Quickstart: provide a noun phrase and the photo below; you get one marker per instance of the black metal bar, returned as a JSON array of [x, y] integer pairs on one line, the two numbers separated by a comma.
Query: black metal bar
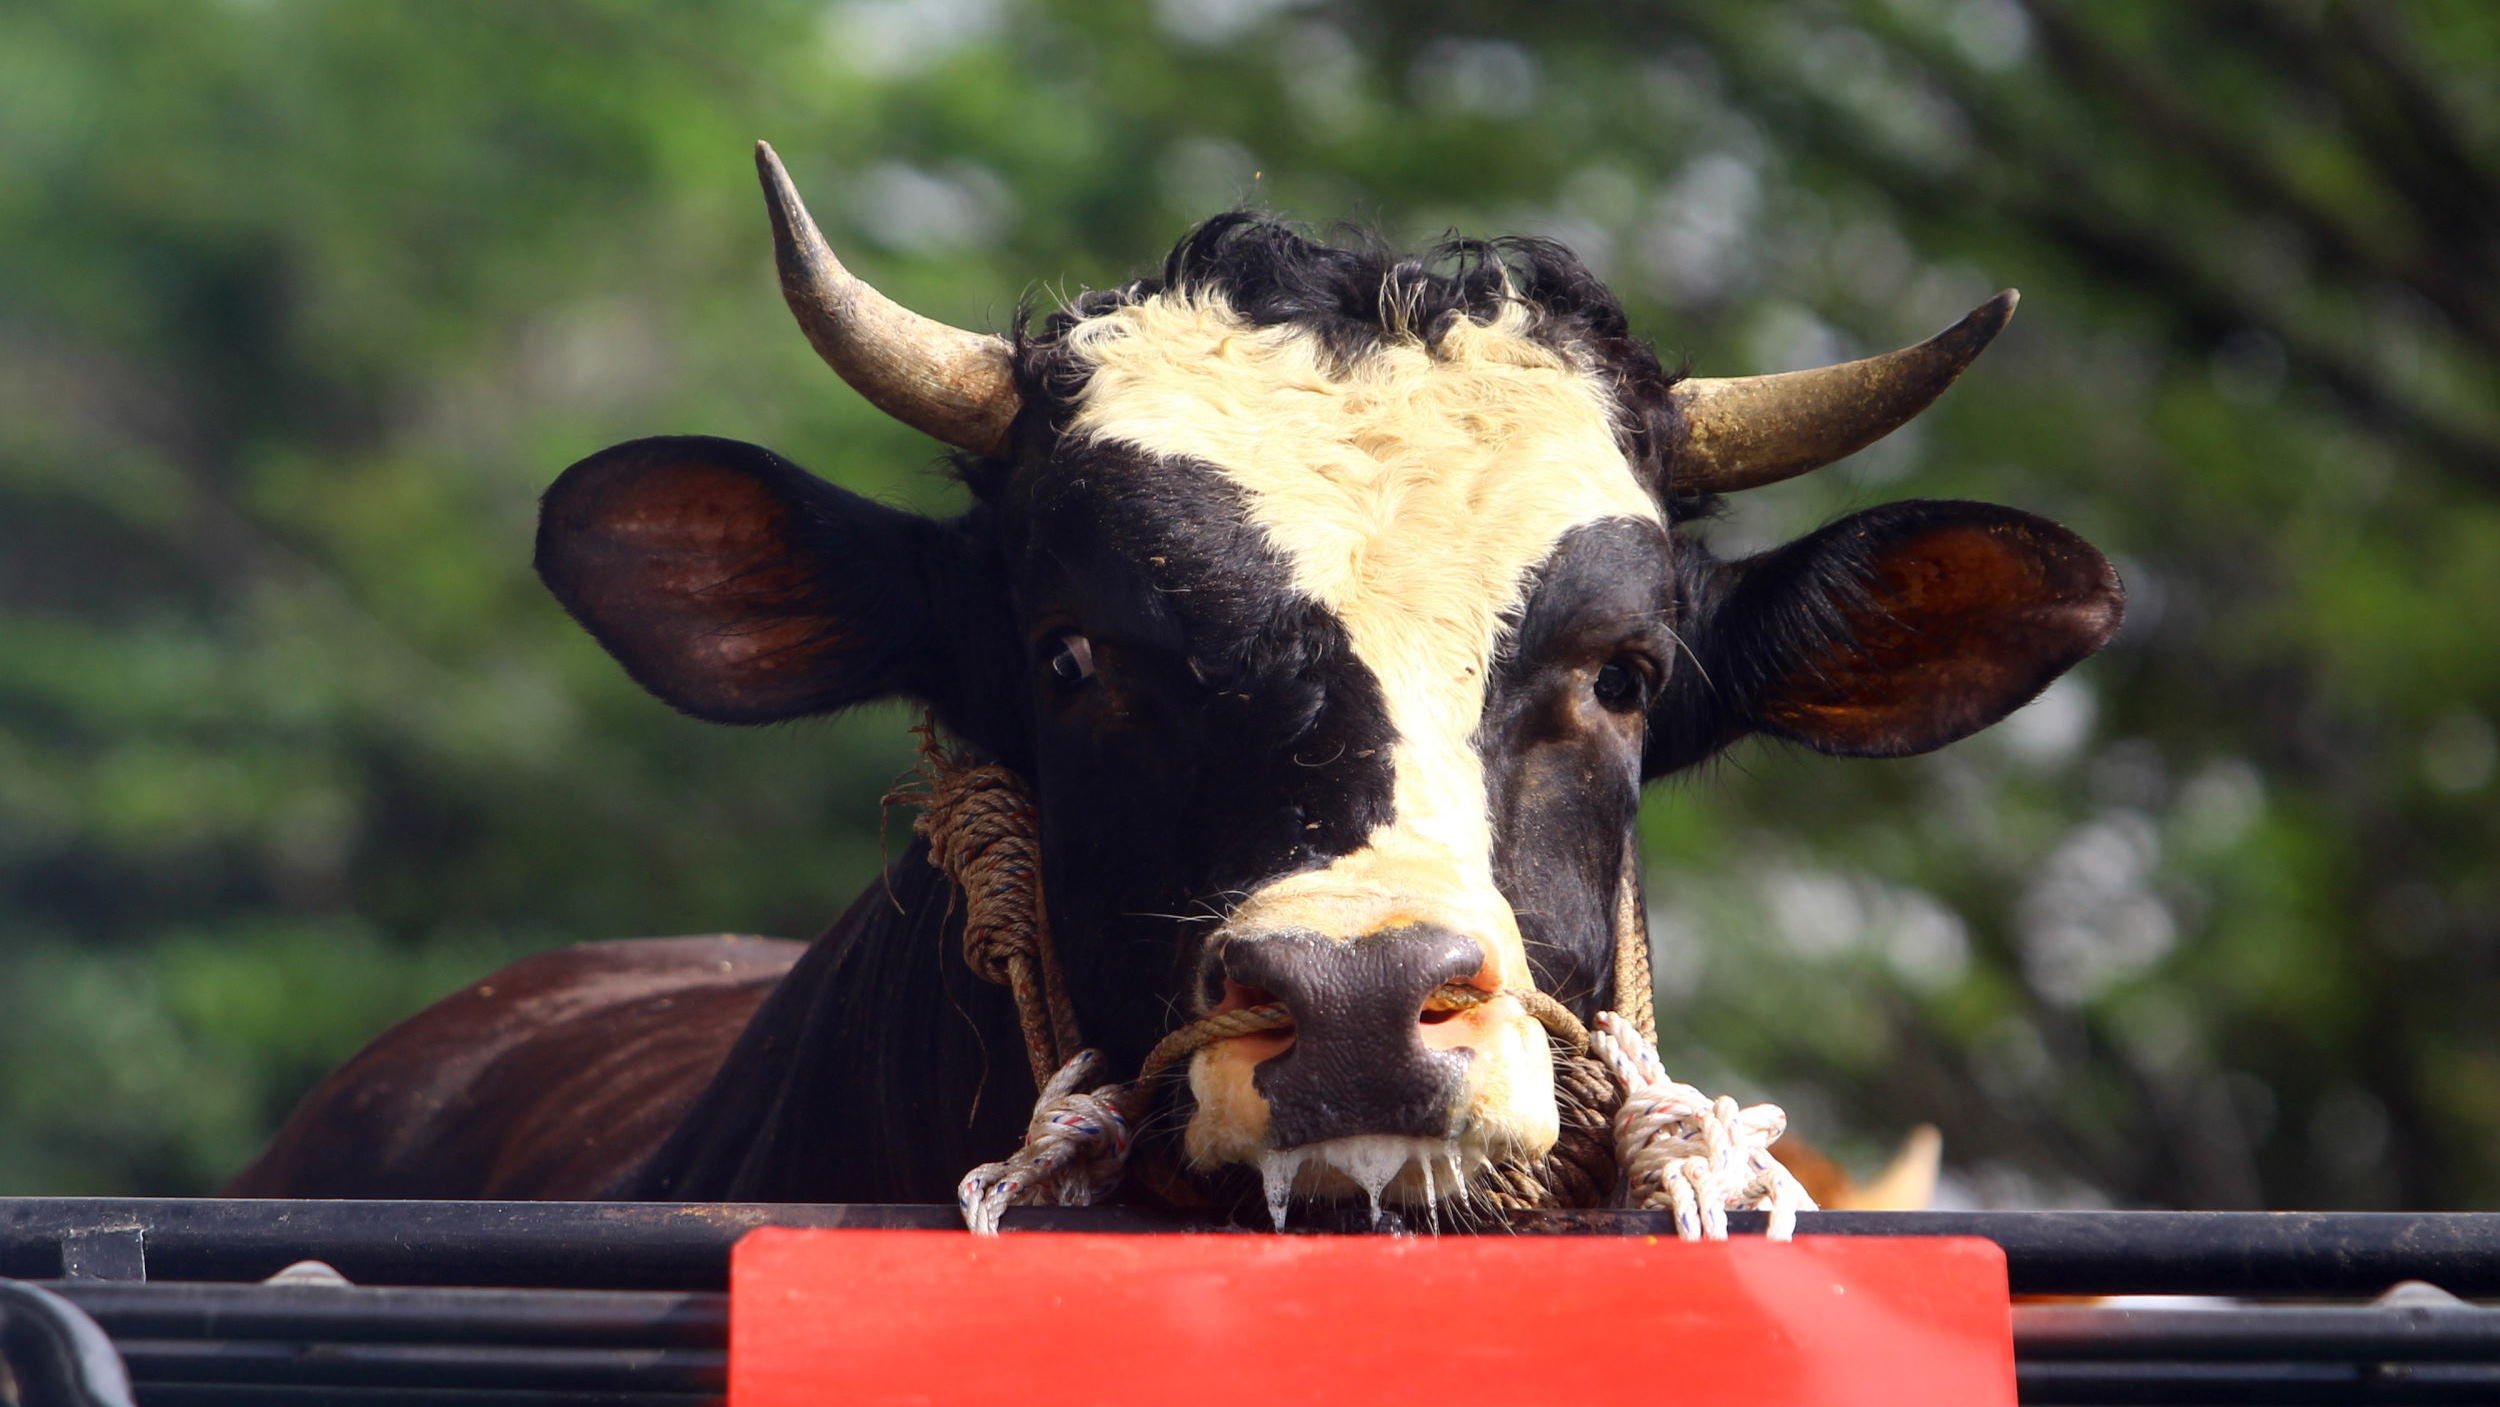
[[2247, 1384], [51, 1352], [2276, 1333], [2271, 1254], [359, 1314], [287, 1394], [608, 1245], [105, 1253], [685, 1246], [600, 1318], [428, 1365], [209, 1344]]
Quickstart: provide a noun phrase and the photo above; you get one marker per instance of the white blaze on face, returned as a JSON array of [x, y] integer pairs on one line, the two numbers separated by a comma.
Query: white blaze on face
[[1414, 493]]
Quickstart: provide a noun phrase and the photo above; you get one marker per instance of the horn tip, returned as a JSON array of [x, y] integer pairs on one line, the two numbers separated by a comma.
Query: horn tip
[[792, 225], [1993, 315], [1979, 327]]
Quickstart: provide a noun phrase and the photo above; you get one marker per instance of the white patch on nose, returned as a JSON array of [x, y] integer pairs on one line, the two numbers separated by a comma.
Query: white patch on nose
[[1414, 493]]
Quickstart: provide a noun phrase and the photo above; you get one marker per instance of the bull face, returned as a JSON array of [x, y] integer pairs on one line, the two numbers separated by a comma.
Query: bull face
[[1336, 610], [1304, 622]]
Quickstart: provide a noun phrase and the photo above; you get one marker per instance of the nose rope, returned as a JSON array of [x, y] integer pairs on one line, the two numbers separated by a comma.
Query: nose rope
[[1625, 1127], [1273, 1016]]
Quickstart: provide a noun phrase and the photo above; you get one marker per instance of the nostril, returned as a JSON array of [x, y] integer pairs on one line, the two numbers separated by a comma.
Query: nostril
[[1241, 996], [1451, 998]]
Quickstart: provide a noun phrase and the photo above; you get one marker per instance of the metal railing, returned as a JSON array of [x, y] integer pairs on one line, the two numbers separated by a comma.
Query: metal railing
[[621, 1303]]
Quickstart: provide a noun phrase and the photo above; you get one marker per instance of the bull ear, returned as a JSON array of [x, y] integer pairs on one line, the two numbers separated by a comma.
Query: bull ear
[[1889, 633], [740, 588]]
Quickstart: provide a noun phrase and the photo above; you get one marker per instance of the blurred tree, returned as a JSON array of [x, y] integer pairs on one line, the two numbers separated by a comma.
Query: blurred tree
[[302, 305]]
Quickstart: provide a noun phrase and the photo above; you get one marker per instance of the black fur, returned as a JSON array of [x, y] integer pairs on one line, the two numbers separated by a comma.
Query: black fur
[[1562, 771], [1232, 738], [879, 1070]]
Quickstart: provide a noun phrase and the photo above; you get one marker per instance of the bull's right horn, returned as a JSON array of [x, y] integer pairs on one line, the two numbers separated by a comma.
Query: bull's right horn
[[1742, 432], [956, 385]]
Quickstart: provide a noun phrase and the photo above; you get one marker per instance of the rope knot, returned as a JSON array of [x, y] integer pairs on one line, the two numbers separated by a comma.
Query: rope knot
[[1075, 1149], [1683, 1150]]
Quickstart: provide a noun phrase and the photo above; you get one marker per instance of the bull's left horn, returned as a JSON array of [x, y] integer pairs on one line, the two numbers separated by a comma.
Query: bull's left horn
[[1745, 431], [953, 384]]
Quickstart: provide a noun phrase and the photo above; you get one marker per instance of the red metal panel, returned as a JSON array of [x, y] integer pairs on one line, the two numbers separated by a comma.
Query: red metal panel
[[1039, 1320]]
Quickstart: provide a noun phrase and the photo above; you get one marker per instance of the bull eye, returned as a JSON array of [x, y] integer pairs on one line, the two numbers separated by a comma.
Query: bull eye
[[1071, 662], [1619, 685]]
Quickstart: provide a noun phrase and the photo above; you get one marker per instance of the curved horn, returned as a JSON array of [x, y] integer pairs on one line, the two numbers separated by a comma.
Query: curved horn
[[1745, 431], [953, 384]]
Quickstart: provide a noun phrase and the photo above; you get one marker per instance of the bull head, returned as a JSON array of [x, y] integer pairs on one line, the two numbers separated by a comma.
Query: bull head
[[1337, 611]]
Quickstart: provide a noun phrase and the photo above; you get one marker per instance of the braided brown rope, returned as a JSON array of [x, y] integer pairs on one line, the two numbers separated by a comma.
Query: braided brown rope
[[1580, 1171], [1636, 999], [981, 828], [982, 834], [1177, 1047]]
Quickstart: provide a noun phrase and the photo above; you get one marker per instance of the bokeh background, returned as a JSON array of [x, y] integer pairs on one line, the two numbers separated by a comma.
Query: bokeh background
[[301, 305]]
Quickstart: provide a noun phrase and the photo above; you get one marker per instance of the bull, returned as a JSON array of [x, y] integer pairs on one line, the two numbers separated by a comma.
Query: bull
[[1336, 608]]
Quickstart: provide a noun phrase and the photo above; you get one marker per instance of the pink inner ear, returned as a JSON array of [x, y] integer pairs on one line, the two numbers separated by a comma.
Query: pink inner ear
[[685, 569], [1964, 623]]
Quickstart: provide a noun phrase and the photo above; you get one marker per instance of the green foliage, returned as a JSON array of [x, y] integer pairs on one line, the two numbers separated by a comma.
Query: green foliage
[[302, 305]]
